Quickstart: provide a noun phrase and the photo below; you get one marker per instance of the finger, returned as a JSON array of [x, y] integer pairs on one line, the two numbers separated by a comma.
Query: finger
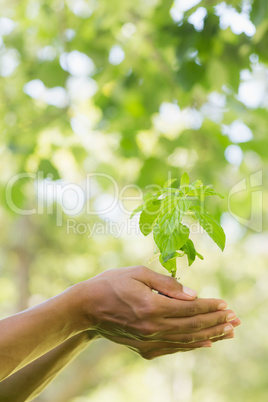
[[175, 349], [212, 333], [221, 338], [205, 334], [236, 322], [150, 345], [172, 308], [158, 353], [166, 285], [198, 322]]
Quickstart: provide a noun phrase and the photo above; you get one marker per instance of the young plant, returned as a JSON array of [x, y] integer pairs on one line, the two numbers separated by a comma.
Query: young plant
[[162, 213]]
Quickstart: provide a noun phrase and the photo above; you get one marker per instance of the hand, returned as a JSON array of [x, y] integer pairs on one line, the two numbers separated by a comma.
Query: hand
[[122, 306]]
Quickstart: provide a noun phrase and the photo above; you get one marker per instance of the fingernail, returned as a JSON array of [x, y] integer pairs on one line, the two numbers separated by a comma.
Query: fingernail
[[222, 306], [189, 292], [236, 322], [228, 328], [230, 317], [206, 346]]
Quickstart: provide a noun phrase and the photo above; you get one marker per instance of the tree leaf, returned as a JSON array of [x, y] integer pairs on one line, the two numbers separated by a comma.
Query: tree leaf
[[191, 252], [138, 209], [169, 182], [169, 243], [170, 264], [148, 216], [197, 183], [210, 191], [172, 211], [212, 227], [184, 183], [148, 198], [189, 249], [201, 192]]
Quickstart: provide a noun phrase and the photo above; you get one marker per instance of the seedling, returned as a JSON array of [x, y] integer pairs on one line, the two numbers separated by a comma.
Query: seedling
[[162, 213]]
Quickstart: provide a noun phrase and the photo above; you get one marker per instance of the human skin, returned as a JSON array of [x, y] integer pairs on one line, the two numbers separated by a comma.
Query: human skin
[[119, 305], [29, 382]]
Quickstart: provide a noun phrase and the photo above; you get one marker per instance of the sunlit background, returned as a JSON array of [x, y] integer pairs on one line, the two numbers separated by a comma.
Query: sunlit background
[[99, 100]]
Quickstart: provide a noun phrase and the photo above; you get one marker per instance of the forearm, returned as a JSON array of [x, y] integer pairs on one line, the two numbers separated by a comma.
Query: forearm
[[32, 333], [119, 305], [28, 382]]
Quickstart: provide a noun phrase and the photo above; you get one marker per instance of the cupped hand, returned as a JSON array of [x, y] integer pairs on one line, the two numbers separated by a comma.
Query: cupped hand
[[125, 306]]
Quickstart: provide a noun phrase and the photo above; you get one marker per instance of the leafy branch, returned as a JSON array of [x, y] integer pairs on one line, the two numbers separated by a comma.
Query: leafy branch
[[162, 213]]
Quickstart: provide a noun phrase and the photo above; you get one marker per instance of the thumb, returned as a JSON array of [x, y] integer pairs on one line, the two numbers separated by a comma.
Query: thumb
[[168, 286]]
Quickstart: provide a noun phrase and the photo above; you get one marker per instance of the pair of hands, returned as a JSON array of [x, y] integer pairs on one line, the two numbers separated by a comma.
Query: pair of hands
[[125, 306]]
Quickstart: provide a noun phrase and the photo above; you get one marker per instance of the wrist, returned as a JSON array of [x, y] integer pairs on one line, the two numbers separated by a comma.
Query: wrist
[[85, 337], [81, 307]]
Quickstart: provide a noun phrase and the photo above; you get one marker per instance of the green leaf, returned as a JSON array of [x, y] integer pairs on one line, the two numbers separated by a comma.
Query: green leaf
[[184, 184], [210, 191], [197, 183], [172, 211], [138, 209], [169, 243], [212, 227], [170, 264], [169, 182], [163, 216], [148, 216], [191, 252], [189, 249], [201, 192], [148, 198]]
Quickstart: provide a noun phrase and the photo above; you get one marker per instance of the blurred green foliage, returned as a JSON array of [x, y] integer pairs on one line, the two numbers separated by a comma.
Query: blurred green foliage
[[138, 90]]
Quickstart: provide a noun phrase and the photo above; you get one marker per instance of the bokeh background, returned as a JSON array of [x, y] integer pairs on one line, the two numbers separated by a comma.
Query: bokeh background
[[137, 90]]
